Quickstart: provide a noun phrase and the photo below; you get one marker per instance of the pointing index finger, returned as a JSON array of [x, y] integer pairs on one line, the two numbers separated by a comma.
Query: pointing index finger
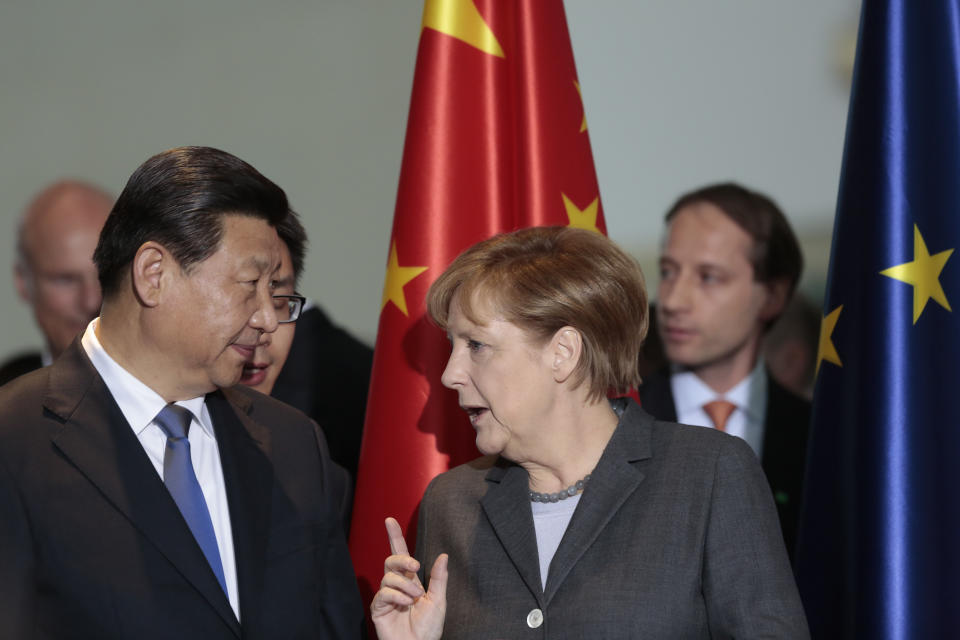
[[398, 546]]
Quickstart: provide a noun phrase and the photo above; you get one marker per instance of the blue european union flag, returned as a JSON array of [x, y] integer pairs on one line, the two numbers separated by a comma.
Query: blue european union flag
[[879, 548]]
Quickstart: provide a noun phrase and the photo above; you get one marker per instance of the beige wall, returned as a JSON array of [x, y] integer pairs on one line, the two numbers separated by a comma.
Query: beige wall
[[314, 94]]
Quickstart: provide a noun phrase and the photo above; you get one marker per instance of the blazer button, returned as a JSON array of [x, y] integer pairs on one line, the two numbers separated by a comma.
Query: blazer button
[[534, 618]]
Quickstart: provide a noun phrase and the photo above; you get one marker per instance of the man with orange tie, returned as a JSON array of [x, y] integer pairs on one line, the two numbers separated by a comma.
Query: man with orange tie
[[729, 264]]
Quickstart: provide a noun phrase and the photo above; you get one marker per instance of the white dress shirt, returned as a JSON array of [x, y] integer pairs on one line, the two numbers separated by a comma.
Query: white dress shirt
[[749, 396], [140, 405]]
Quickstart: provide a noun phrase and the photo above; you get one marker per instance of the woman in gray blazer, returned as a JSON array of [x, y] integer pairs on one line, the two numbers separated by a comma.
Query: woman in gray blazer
[[586, 518]]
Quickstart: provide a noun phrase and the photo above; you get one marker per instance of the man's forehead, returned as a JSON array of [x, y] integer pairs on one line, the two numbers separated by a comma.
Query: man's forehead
[[706, 235], [250, 242]]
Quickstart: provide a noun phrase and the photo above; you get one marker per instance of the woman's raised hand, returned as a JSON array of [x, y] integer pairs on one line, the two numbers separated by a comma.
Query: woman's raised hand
[[401, 609]]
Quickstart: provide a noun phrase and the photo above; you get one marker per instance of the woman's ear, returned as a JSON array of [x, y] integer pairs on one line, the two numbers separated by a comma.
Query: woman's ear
[[566, 347], [148, 267]]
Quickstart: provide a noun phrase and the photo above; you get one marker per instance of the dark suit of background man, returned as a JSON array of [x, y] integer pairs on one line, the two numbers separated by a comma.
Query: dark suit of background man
[[729, 264], [94, 540], [54, 271]]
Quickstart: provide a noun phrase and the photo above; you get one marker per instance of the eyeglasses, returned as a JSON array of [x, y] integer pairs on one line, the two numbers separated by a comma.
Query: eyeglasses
[[288, 307]]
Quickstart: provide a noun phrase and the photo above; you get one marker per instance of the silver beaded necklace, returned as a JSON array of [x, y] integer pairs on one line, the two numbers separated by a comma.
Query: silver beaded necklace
[[569, 492]]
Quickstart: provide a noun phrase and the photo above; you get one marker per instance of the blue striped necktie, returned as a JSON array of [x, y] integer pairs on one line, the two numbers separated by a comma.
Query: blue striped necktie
[[182, 484]]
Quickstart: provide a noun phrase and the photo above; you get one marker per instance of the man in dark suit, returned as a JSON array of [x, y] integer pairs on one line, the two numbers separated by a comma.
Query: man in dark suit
[[729, 264], [54, 272], [140, 495]]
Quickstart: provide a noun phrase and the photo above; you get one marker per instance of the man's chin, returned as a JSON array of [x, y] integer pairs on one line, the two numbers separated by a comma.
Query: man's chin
[[682, 357], [227, 377]]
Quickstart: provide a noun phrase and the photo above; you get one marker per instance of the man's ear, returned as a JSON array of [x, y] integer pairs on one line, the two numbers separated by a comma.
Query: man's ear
[[777, 293], [566, 347], [150, 263]]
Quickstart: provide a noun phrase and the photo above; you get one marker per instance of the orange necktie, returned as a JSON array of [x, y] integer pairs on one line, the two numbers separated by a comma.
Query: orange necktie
[[719, 411]]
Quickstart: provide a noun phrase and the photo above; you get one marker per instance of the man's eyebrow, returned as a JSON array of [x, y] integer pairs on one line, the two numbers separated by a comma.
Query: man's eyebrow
[[257, 263]]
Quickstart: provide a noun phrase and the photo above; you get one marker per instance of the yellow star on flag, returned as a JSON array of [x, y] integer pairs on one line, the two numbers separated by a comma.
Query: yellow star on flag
[[825, 349], [582, 218], [923, 273], [583, 123], [397, 277], [460, 19]]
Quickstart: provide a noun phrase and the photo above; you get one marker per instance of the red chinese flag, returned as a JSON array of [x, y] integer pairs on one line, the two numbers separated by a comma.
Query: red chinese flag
[[496, 141]]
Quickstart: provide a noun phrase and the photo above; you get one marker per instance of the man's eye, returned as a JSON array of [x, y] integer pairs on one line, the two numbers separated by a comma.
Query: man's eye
[[63, 280]]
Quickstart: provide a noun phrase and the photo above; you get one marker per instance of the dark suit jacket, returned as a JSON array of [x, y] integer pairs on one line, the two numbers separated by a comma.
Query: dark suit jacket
[[18, 365], [786, 430], [93, 546], [326, 376], [675, 536]]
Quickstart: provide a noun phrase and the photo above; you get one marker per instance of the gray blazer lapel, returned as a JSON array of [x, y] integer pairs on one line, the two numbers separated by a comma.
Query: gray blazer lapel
[[97, 439], [611, 483], [248, 475], [507, 506]]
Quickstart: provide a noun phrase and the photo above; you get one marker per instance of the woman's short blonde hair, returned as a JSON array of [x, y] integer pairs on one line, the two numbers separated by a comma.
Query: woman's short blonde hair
[[545, 278]]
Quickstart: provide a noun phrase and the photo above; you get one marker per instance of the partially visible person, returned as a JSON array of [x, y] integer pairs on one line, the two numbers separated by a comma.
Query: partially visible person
[[268, 359], [587, 518], [54, 271], [327, 376], [728, 265], [143, 493], [790, 347], [314, 365], [261, 370]]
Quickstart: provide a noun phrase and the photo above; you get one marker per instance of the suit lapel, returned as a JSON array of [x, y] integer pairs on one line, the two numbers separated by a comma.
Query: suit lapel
[[248, 474], [97, 439], [611, 484], [656, 397], [507, 506], [776, 436]]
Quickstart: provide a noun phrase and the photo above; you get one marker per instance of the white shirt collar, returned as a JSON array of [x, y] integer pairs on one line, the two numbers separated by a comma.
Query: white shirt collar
[[749, 395], [139, 403]]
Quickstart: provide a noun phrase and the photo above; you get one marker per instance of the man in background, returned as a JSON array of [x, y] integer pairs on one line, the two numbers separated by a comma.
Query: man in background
[[313, 364], [54, 272], [327, 376], [729, 264], [271, 355]]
